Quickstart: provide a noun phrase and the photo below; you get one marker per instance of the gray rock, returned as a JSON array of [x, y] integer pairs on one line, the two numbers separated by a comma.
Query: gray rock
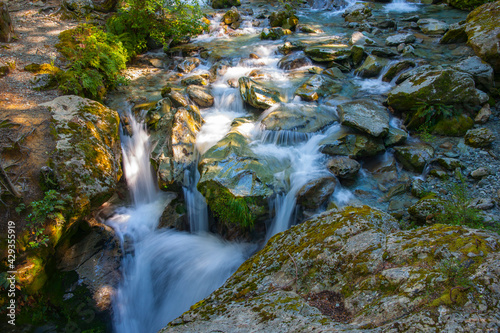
[[356, 145], [395, 40], [365, 115], [198, 80], [200, 96], [455, 34], [414, 157], [483, 115], [80, 7], [357, 13], [188, 65], [320, 86], [450, 163], [432, 26], [481, 71], [482, 203], [313, 194], [383, 52], [343, 167], [372, 67], [294, 60], [396, 69], [479, 137], [395, 136], [480, 173], [358, 38]]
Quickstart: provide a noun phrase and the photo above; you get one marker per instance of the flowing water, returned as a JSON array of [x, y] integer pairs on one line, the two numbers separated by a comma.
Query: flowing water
[[166, 271]]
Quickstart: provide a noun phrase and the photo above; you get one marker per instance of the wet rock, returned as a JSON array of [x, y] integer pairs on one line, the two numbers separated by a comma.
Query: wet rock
[[178, 99], [309, 29], [343, 167], [283, 19], [481, 71], [221, 4], [426, 209], [346, 143], [198, 80], [173, 138], [327, 54], [395, 40], [432, 26], [383, 52], [218, 69], [358, 38], [483, 115], [384, 283], [358, 54], [200, 96], [188, 65], [357, 13], [482, 203], [483, 31], [396, 69], [289, 47], [86, 161], [365, 115], [387, 24], [450, 163], [480, 173], [414, 157], [232, 175], [455, 34], [319, 86], [466, 5], [274, 33], [6, 27], [316, 192], [334, 73], [299, 118], [395, 136], [418, 188], [256, 94], [231, 16], [294, 60], [372, 67], [444, 87], [479, 137]]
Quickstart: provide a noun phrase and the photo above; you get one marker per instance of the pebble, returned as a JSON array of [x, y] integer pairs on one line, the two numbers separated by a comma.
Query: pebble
[[480, 173]]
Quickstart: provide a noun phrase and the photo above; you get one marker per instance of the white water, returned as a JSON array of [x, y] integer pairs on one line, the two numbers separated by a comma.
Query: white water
[[164, 271], [400, 6]]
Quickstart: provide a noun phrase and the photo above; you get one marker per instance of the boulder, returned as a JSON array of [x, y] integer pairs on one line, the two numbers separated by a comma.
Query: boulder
[[365, 115], [309, 29], [86, 161], [357, 13], [173, 136], [200, 96], [177, 98], [455, 34], [395, 136], [353, 271], [479, 137], [483, 115], [256, 94], [231, 16], [80, 7], [414, 157], [395, 40], [319, 86], [313, 194], [274, 33], [6, 27], [187, 65], [105, 6], [327, 54], [432, 26], [221, 4], [299, 118], [443, 87], [483, 31], [372, 67], [283, 19], [425, 210], [396, 69], [466, 4], [294, 60], [343, 167], [236, 182], [360, 39], [383, 52], [198, 80], [355, 145], [481, 71]]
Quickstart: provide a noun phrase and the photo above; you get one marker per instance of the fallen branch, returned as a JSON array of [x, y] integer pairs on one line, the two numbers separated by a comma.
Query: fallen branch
[[8, 184]]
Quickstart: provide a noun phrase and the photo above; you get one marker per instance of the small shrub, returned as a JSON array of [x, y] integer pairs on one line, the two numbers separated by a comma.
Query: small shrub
[[426, 116], [455, 273], [96, 57]]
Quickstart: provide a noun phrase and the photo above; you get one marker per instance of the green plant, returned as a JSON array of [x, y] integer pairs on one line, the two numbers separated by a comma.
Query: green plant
[[456, 210], [426, 116], [163, 21], [455, 273], [52, 204], [96, 57]]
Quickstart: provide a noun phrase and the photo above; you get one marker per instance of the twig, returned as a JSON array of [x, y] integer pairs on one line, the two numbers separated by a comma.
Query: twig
[[8, 184]]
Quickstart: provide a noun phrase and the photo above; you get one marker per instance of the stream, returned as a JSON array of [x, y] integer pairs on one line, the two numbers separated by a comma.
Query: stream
[[165, 271]]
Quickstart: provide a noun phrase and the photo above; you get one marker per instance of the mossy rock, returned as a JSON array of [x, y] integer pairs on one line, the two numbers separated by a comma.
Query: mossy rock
[[221, 4], [377, 277], [467, 4], [283, 19], [455, 126], [41, 68]]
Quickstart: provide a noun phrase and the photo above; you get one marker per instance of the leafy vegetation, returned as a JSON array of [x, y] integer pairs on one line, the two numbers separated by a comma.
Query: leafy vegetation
[[52, 204], [426, 116], [455, 272], [97, 58], [161, 21]]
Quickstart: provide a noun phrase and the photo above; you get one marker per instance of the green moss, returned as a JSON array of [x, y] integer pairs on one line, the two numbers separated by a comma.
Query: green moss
[[467, 4], [455, 126], [41, 69]]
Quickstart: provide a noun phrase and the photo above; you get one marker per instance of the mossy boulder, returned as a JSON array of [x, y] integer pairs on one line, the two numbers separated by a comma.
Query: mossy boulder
[[232, 16], [327, 53], [256, 94], [221, 4], [426, 209], [6, 27], [414, 157], [283, 19], [354, 271], [455, 34], [348, 142], [395, 136], [237, 183], [479, 137], [274, 33], [371, 67], [483, 31], [86, 161], [200, 95], [396, 69], [357, 13], [466, 4], [365, 115], [343, 167], [320, 85], [454, 126], [79, 7], [443, 87]]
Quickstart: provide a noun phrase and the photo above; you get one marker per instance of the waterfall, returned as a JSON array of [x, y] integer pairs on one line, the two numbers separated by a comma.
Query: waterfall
[[164, 271], [195, 202], [400, 6]]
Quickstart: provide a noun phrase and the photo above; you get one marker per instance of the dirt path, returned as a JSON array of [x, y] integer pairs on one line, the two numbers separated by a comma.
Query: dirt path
[[37, 26]]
